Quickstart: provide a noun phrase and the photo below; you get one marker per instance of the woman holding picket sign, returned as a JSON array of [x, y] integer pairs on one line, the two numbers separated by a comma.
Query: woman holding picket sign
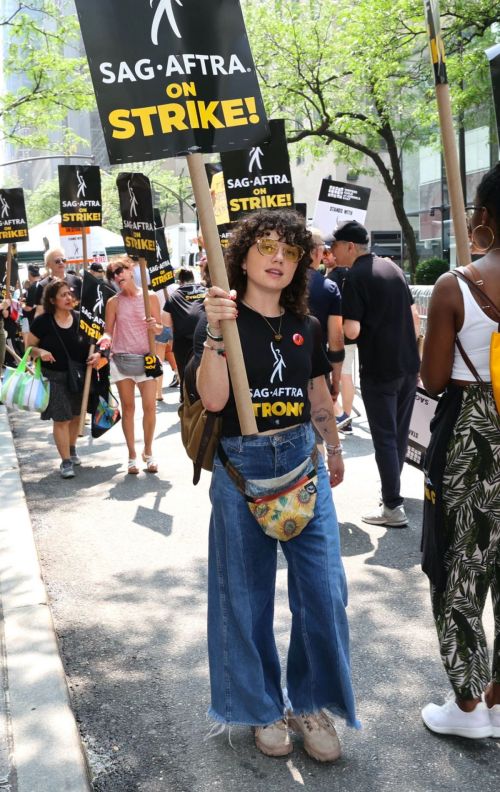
[[127, 337], [267, 263], [55, 339]]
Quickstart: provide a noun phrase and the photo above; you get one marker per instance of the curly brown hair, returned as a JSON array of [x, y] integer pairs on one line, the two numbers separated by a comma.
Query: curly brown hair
[[289, 225], [50, 293]]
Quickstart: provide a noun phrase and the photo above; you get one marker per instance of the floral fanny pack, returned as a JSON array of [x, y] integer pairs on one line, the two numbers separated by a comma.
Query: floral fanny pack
[[282, 506]]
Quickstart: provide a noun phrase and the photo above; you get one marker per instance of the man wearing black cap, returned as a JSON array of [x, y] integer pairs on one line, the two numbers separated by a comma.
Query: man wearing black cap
[[379, 314], [97, 270]]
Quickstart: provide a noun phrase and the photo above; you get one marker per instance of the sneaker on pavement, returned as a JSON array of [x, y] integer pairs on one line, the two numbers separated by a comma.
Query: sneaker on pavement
[[66, 469], [73, 455], [320, 738], [274, 740], [174, 383], [494, 713], [450, 719], [394, 518]]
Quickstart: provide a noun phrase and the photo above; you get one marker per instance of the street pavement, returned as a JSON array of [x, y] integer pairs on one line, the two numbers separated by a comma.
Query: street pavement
[[124, 562]]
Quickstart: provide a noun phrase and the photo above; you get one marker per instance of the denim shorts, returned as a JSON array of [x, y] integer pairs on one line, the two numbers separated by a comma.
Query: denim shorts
[[245, 671]]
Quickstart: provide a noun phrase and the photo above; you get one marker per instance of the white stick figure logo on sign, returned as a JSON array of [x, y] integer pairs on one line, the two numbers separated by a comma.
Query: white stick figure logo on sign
[[5, 207], [255, 154], [164, 8], [82, 187], [99, 304], [133, 201]]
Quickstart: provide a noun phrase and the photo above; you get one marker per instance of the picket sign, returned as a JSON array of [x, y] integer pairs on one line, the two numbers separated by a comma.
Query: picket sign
[[218, 275], [419, 435]]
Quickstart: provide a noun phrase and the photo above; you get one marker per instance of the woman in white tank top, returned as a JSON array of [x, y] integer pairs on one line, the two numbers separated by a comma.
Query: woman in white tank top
[[467, 488]]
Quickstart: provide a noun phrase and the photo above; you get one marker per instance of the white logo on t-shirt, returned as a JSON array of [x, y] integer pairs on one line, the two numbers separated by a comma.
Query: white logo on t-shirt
[[279, 363]]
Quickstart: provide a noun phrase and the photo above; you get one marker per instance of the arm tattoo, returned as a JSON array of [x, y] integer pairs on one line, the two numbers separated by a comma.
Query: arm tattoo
[[323, 419]]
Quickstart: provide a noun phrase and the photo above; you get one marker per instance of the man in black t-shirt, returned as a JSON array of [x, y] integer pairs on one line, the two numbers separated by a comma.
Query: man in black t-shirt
[[379, 313], [184, 306]]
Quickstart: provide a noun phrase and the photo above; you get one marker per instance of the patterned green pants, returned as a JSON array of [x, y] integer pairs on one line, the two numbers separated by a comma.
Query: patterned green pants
[[471, 494]]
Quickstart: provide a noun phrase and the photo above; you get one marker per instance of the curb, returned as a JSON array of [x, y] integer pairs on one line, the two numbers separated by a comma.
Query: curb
[[46, 749]]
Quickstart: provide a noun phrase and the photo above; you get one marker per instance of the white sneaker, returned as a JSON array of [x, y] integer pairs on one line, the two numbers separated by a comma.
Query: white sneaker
[[494, 713], [450, 719], [394, 518]]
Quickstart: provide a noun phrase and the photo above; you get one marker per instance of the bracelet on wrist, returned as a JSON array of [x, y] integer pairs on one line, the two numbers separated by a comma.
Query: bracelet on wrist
[[213, 334], [220, 350], [334, 450]]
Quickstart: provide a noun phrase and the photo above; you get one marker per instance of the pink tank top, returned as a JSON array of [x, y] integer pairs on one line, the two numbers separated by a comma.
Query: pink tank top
[[130, 333]]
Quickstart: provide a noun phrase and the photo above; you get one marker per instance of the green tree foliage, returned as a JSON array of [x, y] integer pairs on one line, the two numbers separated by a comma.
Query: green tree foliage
[[354, 78], [429, 270], [49, 76]]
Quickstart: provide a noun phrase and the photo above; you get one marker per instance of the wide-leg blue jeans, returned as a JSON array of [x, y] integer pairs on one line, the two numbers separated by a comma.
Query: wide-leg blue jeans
[[245, 673]]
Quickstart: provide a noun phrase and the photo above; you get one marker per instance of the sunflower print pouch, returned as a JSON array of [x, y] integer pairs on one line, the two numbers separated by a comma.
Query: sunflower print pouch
[[283, 506]]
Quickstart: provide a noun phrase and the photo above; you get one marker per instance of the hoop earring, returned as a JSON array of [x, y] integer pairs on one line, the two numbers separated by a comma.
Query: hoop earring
[[479, 248]]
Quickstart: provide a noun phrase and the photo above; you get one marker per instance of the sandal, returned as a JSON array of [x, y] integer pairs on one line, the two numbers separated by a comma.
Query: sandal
[[132, 467], [151, 464]]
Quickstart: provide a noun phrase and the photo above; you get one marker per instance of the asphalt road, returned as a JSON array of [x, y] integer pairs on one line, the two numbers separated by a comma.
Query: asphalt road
[[124, 561]]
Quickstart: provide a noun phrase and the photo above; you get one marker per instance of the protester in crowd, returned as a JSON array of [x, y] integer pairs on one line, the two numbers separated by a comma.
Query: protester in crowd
[[55, 264], [126, 334], [325, 305], [267, 262], [344, 403], [55, 339], [379, 314], [97, 270], [467, 478], [183, 307], [163, 344], [4, 313], [29, 305]]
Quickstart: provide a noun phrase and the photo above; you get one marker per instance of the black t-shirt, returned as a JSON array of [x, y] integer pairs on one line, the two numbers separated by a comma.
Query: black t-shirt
[[324, 299], [376, 294], [338, 276], [184, 305], [74, 282], [31, 301], [50, 339], [278, 372]]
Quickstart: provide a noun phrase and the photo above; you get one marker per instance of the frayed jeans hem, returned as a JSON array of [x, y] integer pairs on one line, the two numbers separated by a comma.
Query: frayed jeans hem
[[214, 716], [335, 710]]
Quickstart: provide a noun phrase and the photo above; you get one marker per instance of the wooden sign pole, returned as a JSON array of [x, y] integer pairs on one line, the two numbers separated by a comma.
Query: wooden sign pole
[[147, 308], [88, 372], [453, 174], [218, 275]]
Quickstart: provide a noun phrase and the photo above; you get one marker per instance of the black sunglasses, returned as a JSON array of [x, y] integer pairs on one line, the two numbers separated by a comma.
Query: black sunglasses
[[60, 261], [119, 270]]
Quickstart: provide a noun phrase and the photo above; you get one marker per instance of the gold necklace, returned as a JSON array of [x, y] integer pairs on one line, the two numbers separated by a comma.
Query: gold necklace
[[276, 333]]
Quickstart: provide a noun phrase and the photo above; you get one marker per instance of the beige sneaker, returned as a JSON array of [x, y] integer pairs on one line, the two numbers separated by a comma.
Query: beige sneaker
[[274, 740], [320, 738]]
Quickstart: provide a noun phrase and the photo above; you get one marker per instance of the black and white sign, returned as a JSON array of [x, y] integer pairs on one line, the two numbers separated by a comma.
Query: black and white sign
[[13, 223], [259, 177], [420, 434], [80, 195], [95, 294], [160, 271], [339, 202], [136, 209], [171, 76]]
